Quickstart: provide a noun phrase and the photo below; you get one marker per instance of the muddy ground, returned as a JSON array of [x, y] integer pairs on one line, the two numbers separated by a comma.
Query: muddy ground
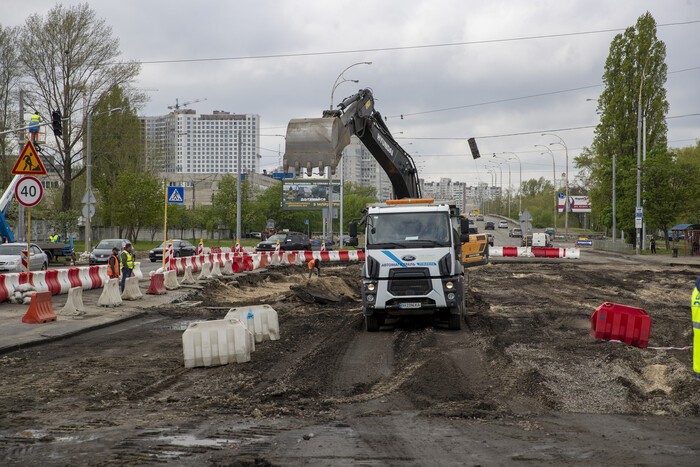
[[522, 382]]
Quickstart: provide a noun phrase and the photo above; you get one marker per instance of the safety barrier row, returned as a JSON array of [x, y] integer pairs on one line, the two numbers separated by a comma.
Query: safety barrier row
[[534, 252]]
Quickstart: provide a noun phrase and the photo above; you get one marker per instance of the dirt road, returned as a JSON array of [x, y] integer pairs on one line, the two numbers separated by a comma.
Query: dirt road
[[523, 382]]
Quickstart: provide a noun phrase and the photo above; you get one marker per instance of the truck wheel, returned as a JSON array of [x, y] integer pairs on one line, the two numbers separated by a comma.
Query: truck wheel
[[372, 323]]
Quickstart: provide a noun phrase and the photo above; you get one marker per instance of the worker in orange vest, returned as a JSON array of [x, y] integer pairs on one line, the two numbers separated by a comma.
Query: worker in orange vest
[[113, 264], [314, 263]]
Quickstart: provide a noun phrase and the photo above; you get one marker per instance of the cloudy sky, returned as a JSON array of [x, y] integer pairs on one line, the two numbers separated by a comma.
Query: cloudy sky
[[501, 71]]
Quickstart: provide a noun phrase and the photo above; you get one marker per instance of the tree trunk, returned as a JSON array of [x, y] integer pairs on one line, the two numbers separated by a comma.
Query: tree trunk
[[66, 199]]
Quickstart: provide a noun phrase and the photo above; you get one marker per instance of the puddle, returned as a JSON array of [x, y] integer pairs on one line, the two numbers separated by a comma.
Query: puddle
[[190, 441]]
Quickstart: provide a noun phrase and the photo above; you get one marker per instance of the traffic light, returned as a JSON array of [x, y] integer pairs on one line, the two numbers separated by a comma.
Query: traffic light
[[56, 122]]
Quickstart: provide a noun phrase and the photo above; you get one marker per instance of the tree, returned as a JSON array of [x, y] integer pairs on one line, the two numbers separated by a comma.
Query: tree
[[225, 200], [356, 197], [70, 60], [139, 202], [635, 67], [9, 81], [269, 205]]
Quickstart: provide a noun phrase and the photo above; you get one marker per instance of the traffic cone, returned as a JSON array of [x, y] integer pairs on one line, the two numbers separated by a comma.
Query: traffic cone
[[72, 263]]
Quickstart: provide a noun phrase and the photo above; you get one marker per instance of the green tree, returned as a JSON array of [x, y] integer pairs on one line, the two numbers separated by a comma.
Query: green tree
[[635, 68], [139, 203], [356, 197], [9, 81], [225, 200], [70, 59], [65, 222]]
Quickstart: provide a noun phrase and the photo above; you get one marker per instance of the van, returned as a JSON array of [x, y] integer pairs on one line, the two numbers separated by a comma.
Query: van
[[541, 240]]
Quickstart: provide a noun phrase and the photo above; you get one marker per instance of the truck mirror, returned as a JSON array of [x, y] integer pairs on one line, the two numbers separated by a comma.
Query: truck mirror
[[464, 238], [352, 228], [464, 225]]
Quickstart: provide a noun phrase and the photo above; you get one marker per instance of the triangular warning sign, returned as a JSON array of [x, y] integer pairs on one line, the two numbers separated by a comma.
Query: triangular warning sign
[[175, 197], [28, 162]]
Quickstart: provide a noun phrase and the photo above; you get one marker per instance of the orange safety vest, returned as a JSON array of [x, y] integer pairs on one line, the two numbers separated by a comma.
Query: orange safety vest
[[113, 269], [312, 263]]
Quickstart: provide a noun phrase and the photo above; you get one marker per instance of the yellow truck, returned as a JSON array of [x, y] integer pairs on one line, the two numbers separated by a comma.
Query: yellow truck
[[475, 252]]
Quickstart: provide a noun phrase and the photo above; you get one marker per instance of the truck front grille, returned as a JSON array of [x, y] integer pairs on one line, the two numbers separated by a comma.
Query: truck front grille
[[409, 281]]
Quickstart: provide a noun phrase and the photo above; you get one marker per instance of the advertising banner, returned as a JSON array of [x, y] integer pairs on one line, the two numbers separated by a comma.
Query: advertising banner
[[308, 194], [576, 203]]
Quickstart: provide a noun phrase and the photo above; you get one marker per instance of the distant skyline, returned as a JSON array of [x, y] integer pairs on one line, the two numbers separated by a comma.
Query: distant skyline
[[442, 71]]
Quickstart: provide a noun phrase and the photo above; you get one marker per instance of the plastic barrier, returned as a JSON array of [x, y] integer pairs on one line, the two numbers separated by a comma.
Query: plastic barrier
[[110, 295], [308, 256], [227, 270], [237, 264], [52, 281], [212, 343], [85, 279], [264, 260], [215, 269], [96, 277], [360, 255], [137, 270], [254, 262], [74, 277], [11, 283], [40, 309], [261, 320], [63, 281], [188, 278], [157, 286], [205, 273], [74, 304], [4, 292], [170, 280], [103, 274], [38, 280], [131, 289], [611, 321]]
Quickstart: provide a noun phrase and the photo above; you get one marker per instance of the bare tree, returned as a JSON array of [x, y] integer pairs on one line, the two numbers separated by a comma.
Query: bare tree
[[9, 83], [70, 60]]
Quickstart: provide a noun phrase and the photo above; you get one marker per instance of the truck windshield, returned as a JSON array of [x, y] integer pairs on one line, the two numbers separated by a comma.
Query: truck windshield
[[408, 230]]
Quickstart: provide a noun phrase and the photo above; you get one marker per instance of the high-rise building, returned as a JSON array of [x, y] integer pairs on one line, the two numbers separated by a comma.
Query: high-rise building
[[184, 142], [360, 166]]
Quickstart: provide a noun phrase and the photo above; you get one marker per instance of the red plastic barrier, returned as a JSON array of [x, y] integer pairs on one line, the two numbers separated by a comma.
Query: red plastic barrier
[[52, 281], [95, 277], [344, 255], [237, 264], [157, 286], [510, 251], [325, 256], [23, 278], [630, 325], [74, 277], [308, 256], [360, 255], [215, 249], [40, 309], [4, 293], [264, 260], [248, 263]]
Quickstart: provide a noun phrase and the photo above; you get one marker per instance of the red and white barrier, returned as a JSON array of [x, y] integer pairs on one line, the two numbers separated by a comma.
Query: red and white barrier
[[532, 252]]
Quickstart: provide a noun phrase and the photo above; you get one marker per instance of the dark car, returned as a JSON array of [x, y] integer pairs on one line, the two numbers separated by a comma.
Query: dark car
[[317, 243], [288, 242], [549, 231], [180, 248], [103, 250], [526, 240], [489, 226]]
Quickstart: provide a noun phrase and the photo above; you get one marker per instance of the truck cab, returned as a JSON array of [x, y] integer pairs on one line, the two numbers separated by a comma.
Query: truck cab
[[412, 262]]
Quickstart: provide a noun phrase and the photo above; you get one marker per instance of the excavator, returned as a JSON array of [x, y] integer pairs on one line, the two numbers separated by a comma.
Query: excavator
[[412, 245]]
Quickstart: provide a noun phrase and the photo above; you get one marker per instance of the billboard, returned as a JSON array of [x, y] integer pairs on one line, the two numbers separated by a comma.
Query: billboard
[[308, 194], [576, 203]]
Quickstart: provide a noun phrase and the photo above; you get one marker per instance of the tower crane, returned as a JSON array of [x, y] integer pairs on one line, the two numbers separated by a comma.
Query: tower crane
[[184, 104]]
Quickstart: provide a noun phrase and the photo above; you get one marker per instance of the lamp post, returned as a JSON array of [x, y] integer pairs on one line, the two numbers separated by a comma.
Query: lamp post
[[336, 83], [88, 174], [509, 184], [566, 201], [492, 173], [554, 182], [637, 239], [500, 193], [520, 185]]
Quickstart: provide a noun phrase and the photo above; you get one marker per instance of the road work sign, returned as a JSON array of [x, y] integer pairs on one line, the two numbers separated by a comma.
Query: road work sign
[[28, 162]]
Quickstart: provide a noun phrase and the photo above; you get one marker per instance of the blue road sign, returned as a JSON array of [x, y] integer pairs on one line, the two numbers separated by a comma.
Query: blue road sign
[[176, 194]]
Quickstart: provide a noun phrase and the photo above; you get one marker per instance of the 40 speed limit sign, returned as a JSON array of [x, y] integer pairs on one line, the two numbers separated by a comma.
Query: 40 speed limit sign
[[29, 191]]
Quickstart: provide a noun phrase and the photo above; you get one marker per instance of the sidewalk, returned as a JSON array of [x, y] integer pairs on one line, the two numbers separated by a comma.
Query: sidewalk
[[14, 334]]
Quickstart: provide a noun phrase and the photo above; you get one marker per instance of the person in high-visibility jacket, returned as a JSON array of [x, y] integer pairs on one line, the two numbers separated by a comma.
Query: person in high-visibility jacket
[[34, 126], [127, 263], [53, 238], [314, 263], [113, 264], [695, 307]]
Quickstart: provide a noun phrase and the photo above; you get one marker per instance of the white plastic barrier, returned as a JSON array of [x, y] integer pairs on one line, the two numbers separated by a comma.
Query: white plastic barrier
[[256, 260], [215, 269], [74, 304], [110, 294], [227, 270], [261, 320], [212, 343], [206, 272], [103, 274], [334, 256], [131, 289], [63, 280], [137, 270], [39, 281], [85, 279], [170, 280], [187, 278]]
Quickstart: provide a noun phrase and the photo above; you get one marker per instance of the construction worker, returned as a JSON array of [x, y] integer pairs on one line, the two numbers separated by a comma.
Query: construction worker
[[54, 237], [315, 263], [34, 126], [113, 264], [695, 307], [127, 262]]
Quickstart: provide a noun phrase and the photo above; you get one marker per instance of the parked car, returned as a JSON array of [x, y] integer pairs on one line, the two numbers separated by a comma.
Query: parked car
[[289, 241], [11, 257], [489, 226], [490, 238], [549, 231], [101, 253], [317, 243], [181, 248], [503, 225], [515, 232], [257, 235], [526, 240], [480, 217]]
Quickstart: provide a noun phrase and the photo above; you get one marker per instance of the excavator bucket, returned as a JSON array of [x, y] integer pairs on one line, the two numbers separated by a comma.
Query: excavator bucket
[[315, 142]]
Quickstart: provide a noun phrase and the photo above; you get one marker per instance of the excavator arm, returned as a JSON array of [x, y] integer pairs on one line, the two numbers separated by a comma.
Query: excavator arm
[[319, 142]]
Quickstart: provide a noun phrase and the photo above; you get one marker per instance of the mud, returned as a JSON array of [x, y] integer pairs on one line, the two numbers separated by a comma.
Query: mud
[[121, 394]]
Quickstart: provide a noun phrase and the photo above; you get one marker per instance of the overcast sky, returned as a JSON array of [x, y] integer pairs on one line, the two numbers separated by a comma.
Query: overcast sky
[[313, 41]]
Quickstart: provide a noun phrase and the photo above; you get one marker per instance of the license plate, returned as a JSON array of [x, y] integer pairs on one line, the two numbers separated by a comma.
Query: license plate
[[409, 305]]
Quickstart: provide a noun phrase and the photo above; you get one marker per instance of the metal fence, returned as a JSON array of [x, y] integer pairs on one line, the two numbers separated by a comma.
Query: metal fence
[[618, 246]]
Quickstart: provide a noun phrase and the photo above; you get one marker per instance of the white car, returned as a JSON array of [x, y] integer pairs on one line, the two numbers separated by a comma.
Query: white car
[[503, 225], [11, 259]]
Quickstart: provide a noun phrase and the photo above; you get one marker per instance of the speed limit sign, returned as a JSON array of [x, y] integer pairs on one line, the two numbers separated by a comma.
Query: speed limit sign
[[29, 191]]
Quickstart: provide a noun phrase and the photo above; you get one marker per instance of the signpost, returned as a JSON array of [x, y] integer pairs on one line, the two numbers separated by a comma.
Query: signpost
[[175, 195], [29, 192]]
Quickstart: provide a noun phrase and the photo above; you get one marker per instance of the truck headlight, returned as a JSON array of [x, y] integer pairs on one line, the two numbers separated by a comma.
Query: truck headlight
[[449, 285], [371, 287]]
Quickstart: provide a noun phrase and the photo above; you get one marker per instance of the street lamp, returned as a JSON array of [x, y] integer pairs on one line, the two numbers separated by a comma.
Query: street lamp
[[554, 182], [509, 184], [566, 201], [500, 193], [520, 186], [88, 174], [336, 83], [639, 158]]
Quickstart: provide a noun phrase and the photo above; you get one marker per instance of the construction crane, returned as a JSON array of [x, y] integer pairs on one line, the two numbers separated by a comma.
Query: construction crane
[[184, 104]]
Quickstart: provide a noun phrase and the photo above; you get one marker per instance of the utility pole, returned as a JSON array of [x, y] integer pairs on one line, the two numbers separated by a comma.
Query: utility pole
[[88, 182], [20, 216], [238, 187]]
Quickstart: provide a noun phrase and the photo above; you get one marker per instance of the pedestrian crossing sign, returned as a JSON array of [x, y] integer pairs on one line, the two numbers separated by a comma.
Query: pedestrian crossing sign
[[176, 194], [28, 162]]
